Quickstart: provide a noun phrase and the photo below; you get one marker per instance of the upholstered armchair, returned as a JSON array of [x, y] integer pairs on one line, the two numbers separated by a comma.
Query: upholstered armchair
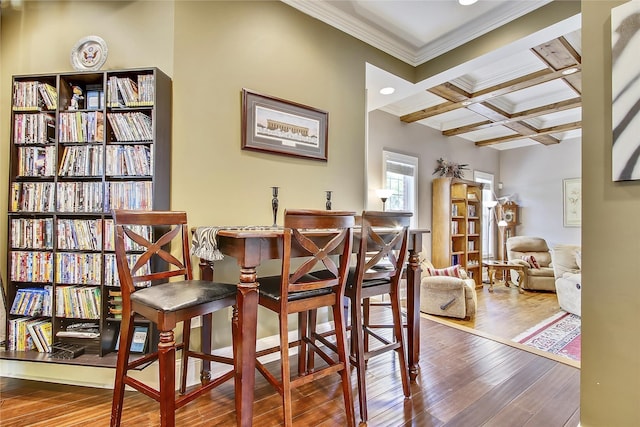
[[534, 254], [447, 292], [566, 267]]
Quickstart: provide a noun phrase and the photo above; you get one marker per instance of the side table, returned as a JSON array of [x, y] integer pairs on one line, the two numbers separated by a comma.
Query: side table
[[493, 266]]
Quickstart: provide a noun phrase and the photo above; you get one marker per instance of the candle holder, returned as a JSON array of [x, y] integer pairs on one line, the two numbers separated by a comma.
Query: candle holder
[[328, 203], [274, 204]]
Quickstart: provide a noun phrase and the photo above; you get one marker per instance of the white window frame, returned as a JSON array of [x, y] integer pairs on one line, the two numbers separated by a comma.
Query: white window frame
[[411, 200]]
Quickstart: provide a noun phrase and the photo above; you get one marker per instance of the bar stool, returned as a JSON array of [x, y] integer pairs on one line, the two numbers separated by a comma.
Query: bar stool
[[312, 236], [144, 274], [382, 253]]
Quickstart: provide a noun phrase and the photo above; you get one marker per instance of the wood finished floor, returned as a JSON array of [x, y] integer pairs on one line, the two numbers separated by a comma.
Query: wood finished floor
[[465, 380]]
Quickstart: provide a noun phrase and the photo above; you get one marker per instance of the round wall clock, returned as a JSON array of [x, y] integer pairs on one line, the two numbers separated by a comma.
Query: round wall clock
[[510, 212], [89, 54]]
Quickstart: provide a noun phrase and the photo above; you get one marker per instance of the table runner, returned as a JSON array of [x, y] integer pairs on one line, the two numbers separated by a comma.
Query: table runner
[[204, 244]]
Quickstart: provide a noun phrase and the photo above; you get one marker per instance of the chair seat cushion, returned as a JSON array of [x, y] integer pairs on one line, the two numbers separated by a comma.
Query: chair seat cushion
[[174, 296], [270, 288], [324, 274]]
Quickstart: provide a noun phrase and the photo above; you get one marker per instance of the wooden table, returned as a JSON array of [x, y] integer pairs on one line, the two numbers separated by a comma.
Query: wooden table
[[250, 248], [504, 267]]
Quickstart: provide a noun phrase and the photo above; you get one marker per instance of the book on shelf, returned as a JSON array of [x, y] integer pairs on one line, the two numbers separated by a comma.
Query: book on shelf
[[30, 266], [34, 129], [40, 332], [31, 233], [32, 302], [125, 92], [27, 96], [49, 95], [28, 333]]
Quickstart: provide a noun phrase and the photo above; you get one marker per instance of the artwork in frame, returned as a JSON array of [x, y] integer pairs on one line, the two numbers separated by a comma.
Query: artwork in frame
[[572, 205], [278, 126], [625, 81]]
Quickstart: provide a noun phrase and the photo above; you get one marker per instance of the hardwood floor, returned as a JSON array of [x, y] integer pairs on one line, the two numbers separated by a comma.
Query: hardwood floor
[[464, 380], [506, 313]]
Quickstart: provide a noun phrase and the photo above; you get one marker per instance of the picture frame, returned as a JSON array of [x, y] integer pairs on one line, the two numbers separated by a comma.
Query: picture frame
[[277, 126], [572, 202], [139, 341]]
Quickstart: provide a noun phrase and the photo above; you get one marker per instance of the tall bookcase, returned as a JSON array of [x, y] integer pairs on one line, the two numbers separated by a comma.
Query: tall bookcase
[[82, 144], [456, 227]]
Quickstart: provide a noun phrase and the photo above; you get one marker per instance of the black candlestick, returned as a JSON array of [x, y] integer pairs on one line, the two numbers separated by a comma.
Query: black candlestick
[[274, 204], [328, 204]]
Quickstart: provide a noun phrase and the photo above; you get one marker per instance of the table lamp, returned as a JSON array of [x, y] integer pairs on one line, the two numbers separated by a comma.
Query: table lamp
[[384, 194]]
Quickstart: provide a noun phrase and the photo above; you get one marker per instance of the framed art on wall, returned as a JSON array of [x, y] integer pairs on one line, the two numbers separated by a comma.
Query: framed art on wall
[[278, 126], [572, 202]]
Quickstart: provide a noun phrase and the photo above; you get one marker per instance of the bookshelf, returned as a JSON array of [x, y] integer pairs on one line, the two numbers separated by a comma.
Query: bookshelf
[[457, 225], [82, 144]]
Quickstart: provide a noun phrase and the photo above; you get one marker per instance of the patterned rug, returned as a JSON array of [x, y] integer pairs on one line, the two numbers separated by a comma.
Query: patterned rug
[[559, 334]]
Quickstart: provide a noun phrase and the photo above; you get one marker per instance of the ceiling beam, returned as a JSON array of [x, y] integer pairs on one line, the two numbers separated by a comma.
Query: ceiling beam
[[563, 62], [530, 80], [534, 133], [522, 115]]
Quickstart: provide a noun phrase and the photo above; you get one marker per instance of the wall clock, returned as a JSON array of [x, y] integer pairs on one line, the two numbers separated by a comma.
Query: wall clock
[[510, 213]]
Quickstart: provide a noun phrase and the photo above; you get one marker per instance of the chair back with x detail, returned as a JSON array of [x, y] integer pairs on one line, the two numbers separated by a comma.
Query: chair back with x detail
[[311, 239], [157, 283], [382, 254]]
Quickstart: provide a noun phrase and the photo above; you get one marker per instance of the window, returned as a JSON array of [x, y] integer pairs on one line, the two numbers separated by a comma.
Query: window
[[488, 233], [400, 174]]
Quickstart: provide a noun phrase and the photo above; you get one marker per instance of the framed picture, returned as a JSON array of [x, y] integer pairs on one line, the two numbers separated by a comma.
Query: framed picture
[[572, 204], [277, 126], [139, 342]]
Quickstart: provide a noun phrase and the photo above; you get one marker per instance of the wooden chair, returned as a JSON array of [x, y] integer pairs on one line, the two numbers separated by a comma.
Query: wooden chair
[[164, 302], [382, 253], [295, 291]]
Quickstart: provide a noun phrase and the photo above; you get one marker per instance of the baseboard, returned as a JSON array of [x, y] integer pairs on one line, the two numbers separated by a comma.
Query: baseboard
[[89, 376]]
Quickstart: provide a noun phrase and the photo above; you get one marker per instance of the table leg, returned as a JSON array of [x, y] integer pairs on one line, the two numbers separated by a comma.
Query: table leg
[[491, 272], [413, 313], [244, 325], [206, 273], [521, 279]]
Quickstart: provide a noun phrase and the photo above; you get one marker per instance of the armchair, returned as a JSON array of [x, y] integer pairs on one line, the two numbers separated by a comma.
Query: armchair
[[447, 292], [539, 278], [566, 268]]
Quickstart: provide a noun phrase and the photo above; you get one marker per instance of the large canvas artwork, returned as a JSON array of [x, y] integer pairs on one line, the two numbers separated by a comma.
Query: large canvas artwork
[[625, 76]]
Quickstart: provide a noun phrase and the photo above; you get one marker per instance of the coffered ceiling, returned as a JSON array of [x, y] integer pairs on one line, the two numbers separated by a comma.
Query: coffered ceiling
[[523, 94]]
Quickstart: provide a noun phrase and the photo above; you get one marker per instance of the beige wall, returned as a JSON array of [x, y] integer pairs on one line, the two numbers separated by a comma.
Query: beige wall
[[212, 49], [611, 245], [271, 48]]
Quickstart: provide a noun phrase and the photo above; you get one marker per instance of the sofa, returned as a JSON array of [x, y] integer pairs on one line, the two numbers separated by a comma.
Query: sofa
[[567, 262], [447, 292], [527, 251]]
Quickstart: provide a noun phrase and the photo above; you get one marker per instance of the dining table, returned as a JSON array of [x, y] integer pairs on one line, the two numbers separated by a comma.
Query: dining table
[[252, 245]]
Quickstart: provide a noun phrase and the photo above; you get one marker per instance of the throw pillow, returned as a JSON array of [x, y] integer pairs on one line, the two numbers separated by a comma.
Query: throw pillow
[[579, 259], [454, 271], [531, 260]]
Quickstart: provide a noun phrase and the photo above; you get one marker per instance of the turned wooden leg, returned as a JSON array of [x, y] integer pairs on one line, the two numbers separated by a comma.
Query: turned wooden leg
[[167, 367]]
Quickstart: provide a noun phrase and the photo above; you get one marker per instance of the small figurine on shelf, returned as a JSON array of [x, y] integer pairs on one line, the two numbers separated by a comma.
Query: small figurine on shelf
[[76, 98]]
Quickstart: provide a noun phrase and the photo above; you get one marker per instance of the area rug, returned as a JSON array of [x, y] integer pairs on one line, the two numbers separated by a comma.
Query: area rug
[[559, 334]]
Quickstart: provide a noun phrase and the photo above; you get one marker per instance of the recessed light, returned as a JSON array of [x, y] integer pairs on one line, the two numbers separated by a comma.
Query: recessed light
[[387, 90], [570, 71], [465, 103], [467, 2]]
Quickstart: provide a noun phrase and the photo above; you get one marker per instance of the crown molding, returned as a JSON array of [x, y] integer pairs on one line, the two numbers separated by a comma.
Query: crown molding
[[325, 12]]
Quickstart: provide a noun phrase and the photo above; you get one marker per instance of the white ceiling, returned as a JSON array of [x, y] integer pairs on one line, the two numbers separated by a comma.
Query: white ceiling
[[417, 31]]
